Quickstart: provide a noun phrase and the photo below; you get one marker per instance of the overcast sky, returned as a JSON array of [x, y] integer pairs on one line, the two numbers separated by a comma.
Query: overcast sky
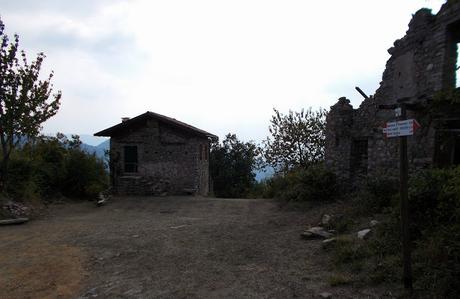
[[219, 65]]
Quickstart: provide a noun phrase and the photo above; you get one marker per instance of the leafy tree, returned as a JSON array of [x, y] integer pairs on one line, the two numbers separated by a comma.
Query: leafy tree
[[25, 100], [297, 139], [54, 166], [232, 166]]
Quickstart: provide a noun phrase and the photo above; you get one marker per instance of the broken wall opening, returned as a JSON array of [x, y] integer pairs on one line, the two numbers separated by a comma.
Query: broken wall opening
[[447, 143], [359, 157], [452, 66], [457, 66]]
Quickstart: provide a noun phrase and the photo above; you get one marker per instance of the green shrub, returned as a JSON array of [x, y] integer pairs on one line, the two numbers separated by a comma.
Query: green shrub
[[273, 186], [348, 250], [376, 194], [49, 163], [435, 211], [20, 180], [315, 183], [437, 261], [85, 175], [49, 168], [231, 165], [434, 204]]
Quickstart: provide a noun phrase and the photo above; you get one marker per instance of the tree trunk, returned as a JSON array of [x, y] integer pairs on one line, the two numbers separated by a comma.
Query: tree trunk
[[4, 163]]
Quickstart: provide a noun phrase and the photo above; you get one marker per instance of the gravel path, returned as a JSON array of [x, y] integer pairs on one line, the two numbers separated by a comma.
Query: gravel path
[[170, 247]]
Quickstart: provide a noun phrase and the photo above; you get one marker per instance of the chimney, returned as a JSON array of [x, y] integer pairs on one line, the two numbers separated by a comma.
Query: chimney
[[124, 119]]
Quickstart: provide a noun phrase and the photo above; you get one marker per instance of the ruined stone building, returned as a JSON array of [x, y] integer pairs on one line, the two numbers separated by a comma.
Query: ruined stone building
[[421, 72], [152, 154]]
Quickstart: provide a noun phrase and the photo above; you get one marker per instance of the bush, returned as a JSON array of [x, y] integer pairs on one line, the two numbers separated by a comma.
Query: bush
[[315, 183], [434, 203], [51, 168], [21, 181], [86, 175], [434, 196], [347, 250], [376, 194], [435, 210], [232, 164]]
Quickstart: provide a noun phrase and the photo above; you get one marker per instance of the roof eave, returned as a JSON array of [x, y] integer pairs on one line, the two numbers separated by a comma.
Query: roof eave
[[109, 132]]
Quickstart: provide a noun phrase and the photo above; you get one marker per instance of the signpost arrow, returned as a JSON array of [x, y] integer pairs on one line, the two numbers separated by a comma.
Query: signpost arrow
[[400, 128]]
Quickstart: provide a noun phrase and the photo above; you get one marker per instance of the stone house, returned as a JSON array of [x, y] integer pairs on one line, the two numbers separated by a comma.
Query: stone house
[[152, 154], [421, 73]]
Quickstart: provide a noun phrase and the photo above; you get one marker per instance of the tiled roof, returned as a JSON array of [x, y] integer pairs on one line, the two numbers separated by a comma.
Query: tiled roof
[[114, 130]]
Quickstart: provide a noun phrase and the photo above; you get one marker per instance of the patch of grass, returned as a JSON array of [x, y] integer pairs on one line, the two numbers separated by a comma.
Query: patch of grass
[[341, 223], [435, 222], [339, 279], [348, 250], [386, 269]]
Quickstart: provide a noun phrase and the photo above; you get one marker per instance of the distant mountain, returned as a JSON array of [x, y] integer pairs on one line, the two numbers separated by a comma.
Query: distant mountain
[[90, 139], [98, 150]]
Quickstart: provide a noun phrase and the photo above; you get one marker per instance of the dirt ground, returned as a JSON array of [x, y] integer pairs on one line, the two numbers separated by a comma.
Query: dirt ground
[[170, 247]]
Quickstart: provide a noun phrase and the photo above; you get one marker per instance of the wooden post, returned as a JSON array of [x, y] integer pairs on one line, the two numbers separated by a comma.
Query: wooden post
[[403, 190]]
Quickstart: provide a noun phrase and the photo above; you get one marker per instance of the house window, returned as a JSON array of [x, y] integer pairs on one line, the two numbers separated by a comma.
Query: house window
[[206, 152], [130, 156]]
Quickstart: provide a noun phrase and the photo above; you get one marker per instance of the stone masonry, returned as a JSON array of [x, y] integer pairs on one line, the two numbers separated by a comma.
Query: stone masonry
[[152, 154], [421, 66]]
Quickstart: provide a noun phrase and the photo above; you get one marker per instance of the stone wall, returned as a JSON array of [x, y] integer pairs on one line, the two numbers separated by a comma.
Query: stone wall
[[421, 65], [170, 161]]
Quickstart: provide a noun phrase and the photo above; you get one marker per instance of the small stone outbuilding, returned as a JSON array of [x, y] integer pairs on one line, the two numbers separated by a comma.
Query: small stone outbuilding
[[422, 73], [152, 154]]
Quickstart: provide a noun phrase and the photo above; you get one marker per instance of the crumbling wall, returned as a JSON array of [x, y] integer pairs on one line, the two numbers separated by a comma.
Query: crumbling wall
[[338, 137], [422, 64]]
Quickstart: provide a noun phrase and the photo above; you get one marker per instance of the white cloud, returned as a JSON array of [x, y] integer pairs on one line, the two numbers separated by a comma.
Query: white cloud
[[219, 65]]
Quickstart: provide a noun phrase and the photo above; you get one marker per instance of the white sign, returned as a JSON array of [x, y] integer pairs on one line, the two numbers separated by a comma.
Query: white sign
[[400, 128]]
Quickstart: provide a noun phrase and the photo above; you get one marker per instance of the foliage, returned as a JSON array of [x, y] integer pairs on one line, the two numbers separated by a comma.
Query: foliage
[[232, 166], [86, 175], [25, 100], [297, 139], [315, 183], [49, 167], [435, 196], [434, 201], [446, 96], [376, 194], [21, 178]]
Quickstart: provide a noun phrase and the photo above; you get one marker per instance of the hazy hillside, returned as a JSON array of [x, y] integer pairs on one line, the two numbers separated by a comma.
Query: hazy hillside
[[99, 150]]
